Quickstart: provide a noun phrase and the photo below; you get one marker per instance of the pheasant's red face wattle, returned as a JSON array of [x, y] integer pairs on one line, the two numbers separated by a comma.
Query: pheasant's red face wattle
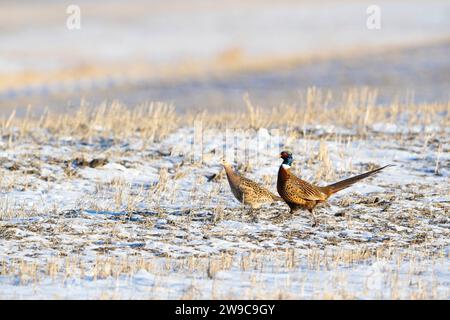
[[285, 154], [287, 158]]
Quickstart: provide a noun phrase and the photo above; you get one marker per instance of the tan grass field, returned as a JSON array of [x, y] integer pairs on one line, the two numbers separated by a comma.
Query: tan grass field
[[112, 136]]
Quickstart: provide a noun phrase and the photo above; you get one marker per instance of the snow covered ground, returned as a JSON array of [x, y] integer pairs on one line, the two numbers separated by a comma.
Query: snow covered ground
[[151, 222]]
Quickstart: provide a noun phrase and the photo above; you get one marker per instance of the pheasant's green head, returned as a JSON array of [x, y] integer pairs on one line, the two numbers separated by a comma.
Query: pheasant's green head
[[287, 157]]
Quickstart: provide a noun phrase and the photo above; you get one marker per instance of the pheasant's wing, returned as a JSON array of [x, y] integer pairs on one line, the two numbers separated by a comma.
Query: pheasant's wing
[[299, 189], [254, 190]]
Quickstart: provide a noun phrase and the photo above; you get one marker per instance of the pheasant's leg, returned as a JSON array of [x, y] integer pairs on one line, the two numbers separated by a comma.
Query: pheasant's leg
[[243, 213], [313, 218], [253, 215]]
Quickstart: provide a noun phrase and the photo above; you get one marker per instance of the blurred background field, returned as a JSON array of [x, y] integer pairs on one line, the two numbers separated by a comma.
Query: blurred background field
[[202, 55]]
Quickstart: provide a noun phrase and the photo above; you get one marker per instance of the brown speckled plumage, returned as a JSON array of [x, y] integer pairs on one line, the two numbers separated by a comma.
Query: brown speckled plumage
[[300, 194], [247, 191]]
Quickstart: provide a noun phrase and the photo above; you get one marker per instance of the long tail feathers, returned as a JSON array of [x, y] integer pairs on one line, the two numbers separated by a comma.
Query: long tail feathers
[[338, 186]]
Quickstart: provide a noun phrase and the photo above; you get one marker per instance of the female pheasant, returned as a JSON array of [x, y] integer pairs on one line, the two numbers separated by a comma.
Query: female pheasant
[[247, 191], [300, 194]]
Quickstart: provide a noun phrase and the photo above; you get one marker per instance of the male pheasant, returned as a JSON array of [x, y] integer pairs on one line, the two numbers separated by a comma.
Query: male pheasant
[[247, 191], [300, 194]]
